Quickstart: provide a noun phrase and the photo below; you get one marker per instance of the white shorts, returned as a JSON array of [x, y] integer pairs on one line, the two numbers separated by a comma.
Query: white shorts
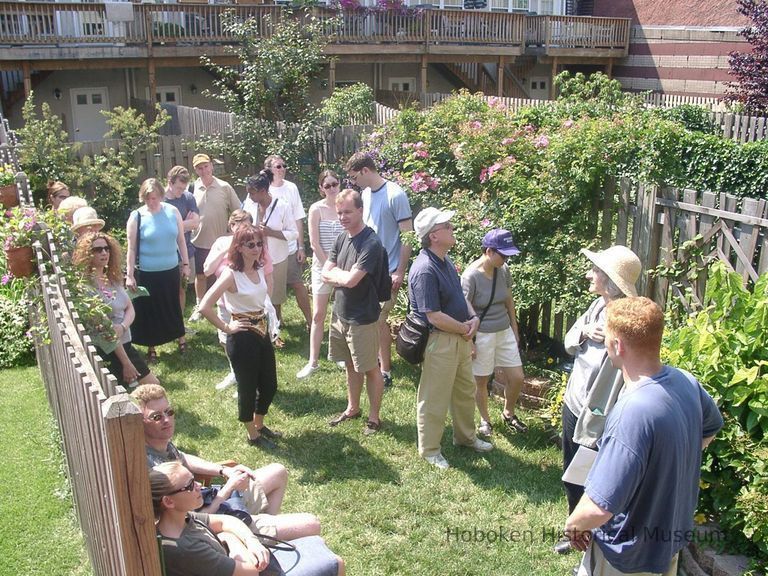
[[495, 349], [318, 286]]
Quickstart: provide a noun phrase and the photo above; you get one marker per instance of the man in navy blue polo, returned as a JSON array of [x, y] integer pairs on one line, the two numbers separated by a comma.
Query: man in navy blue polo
[[434, 289]]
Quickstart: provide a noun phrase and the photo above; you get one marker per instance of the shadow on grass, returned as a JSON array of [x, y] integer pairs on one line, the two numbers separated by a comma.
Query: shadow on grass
[[343, 458]]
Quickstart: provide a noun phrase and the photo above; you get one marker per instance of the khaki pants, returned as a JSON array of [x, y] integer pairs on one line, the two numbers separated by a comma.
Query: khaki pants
[[446, 381], [593, 563]]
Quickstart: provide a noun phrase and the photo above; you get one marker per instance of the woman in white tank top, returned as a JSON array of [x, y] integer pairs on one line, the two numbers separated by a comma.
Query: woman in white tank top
[[249, 333]]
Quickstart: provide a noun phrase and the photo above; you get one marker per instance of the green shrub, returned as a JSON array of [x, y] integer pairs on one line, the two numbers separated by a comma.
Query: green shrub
[[726, 347], [15, 341], [349, 105]]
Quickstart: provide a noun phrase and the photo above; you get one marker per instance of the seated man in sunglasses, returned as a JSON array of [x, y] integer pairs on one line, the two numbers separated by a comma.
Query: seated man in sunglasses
[[254, 496]]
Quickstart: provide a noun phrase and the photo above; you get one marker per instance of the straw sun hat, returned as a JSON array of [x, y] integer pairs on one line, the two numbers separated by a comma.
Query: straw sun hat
[[86, 216], [620, 264]]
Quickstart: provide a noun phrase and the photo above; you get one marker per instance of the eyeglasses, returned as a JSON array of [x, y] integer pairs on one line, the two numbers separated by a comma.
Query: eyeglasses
[[158, 416], [253, 243], [63, 196], [331, 185], [353, 176], [446, 226], [97, 249], [279, 166], [188, 488]]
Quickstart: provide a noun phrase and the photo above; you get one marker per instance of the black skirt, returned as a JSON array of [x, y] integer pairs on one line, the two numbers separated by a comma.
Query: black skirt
[[158, 316]]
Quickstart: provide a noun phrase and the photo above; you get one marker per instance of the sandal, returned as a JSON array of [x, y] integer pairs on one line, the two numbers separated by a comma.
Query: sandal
[[514, 423], [344, 416], [151, 355], [371, 428], [271, 434], [182, 346]]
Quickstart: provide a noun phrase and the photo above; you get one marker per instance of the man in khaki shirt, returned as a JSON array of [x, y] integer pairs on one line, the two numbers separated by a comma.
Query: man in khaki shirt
[[216, 200]]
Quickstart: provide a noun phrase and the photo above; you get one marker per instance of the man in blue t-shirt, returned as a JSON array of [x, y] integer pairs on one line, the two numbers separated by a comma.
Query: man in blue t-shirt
[[387, 211], [641, 493]]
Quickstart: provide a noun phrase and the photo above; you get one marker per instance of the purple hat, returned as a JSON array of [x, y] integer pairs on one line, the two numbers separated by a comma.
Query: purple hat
[[501, 240]]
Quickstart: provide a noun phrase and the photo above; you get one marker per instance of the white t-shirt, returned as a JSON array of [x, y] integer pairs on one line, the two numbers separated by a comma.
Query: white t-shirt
[[277, 216], [290, 193]]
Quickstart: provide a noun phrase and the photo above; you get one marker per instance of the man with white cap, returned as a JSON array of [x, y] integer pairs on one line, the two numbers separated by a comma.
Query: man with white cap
[[436, 298], [216, 200]]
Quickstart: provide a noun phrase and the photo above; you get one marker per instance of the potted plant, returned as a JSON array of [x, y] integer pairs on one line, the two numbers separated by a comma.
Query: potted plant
[[9, 196], [20, 229]]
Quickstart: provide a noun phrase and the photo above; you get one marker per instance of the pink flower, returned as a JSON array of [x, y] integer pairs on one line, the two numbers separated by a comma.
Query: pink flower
[[476, 124], [541, 141], [421, 154], [485, 223], [484, 175], [529, 129], [507, 141], [5, 279], [509, 160], [568, 123]]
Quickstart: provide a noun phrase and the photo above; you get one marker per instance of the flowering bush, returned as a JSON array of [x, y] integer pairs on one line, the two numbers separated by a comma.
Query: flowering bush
[[7, 175], [20, 228]]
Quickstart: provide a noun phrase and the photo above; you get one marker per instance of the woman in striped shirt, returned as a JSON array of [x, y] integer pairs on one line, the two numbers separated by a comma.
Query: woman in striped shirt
[[324, 227]]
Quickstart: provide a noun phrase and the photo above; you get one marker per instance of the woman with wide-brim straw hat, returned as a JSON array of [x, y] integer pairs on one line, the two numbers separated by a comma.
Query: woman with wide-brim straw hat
[[86, 220], [595, 384]]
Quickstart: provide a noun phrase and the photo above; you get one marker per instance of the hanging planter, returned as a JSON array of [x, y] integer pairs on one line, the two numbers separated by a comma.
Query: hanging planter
[[20, 261], [9, 196]]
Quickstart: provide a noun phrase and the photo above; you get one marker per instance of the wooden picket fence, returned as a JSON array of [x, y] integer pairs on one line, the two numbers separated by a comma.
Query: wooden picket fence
[[102, 433], [662, 225], [101, 429]]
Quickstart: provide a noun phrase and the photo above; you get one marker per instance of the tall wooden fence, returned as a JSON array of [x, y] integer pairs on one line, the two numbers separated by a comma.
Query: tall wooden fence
[[101, 429], [658, 223]]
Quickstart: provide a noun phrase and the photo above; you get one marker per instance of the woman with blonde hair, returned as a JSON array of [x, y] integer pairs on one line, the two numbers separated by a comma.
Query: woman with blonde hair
[[100, 258], [324, 228], [155, 242]]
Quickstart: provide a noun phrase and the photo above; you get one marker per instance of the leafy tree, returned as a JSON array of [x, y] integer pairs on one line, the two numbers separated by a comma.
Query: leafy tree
[[751, 68], [269, 89], [349, 105]]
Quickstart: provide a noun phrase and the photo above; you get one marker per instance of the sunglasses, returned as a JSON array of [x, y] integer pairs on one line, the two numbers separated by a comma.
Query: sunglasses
[[331, 185], [188, 488], [279, 166], [63, 196], [253, 243], [158, 416], [97, 249]]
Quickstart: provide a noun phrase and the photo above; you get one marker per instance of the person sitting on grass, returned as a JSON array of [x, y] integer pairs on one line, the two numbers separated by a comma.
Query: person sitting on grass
[[262, 489], [216, 544]]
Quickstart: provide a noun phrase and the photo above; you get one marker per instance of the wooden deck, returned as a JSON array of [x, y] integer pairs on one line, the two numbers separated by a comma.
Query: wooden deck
[[38, 32]]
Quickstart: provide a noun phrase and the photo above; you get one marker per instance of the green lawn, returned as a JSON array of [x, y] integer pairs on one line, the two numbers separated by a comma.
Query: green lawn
[[382, 508], [38, 529]]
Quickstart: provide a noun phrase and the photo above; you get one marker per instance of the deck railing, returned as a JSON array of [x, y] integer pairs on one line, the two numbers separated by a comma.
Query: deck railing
[[44, 23]]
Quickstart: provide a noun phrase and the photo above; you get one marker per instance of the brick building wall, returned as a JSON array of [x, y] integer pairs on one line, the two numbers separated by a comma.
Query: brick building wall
[[677, 46]]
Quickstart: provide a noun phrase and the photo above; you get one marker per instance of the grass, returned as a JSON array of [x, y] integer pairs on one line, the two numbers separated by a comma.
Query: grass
[[39, 534], [382, 508]]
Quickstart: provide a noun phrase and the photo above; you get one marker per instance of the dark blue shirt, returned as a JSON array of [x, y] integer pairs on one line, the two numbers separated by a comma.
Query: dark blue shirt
[[647, 470], [434, 286], [185, 204]]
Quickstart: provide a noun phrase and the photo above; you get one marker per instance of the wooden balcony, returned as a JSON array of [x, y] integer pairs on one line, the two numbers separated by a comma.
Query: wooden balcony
[[36, 31]]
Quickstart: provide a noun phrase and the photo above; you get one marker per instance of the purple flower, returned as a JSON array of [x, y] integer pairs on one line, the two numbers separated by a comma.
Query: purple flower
[[485, 223], [507, 141], [476, 125], [5, 279], [541, 141], [568, 123]]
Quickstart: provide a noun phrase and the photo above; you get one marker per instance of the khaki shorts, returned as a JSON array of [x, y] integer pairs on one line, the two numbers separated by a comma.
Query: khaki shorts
[[593, 563], [279, 279], [356, 342], [295, 272], [386, 307], [495, 349]]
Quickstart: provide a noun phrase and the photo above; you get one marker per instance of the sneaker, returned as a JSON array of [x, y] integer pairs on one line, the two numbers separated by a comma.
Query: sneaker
[[342, 365], [478, 445], [514, 423], [195, 316], [229, 379], [269, 433], [234, 394], [485, 428], [262, 442], [438, 460], [306, 371], [387, 380]]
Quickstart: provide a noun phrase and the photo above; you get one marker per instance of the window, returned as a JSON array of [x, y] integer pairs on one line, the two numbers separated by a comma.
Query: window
[[82, 99], [96, 98], [402, 84]]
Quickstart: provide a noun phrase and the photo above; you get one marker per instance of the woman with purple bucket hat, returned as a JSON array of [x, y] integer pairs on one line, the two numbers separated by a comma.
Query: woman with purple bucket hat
[[486, 283]]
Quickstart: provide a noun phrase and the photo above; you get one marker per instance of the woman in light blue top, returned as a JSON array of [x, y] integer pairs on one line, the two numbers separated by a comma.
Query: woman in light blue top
[[155, 242]]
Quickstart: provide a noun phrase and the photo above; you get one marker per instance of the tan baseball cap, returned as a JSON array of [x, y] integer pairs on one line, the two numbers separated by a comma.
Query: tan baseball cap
[[200, 159]]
